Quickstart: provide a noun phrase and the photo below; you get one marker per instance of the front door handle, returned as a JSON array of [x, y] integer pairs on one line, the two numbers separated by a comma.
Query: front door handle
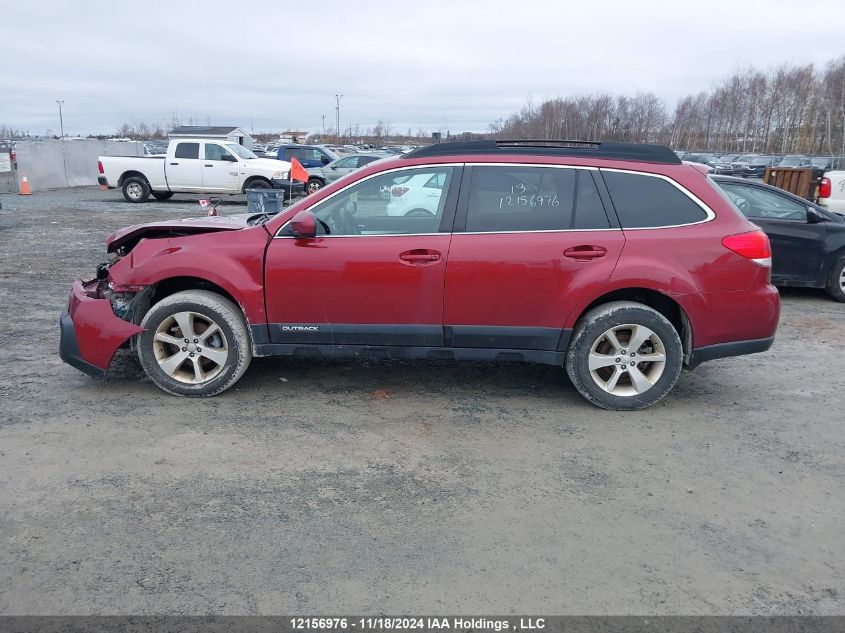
[[174, 163], [585, 252], [420, 256]]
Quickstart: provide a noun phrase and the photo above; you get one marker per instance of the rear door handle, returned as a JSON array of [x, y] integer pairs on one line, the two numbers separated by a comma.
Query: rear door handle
[[420, 256], [585, 252], [207, 165], [174, 163]]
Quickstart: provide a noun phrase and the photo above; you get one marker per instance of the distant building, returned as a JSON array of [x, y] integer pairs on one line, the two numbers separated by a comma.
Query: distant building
[[222, 132], [292, 136]]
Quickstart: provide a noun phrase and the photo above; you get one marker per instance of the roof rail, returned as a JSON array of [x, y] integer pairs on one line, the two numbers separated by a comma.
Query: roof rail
[[544, 147]]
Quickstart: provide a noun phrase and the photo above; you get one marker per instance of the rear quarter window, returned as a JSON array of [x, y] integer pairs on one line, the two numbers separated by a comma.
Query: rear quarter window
[[644, 201]]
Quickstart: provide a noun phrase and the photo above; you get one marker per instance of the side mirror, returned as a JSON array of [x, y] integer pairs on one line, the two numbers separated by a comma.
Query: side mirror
[[325, 159], [304, 224], [813, 216], [228, 158]]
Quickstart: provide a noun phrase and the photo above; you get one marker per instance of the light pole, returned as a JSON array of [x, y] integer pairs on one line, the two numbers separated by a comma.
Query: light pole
[[324, 128], [61, 122], [337, 115]]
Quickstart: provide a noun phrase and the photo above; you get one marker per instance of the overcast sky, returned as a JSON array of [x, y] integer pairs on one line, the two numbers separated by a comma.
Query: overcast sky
[[453, 65]]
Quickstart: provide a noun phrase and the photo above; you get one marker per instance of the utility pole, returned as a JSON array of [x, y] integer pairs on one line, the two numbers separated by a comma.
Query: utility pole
[[61, 121], [324, 128], [337, 98]]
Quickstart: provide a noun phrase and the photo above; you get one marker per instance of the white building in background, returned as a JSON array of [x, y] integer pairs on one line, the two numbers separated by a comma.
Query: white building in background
[[221, 132]]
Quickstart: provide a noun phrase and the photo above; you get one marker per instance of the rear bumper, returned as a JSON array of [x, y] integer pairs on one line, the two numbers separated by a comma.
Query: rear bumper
[[293, 187], [724, 350], [90, 331]]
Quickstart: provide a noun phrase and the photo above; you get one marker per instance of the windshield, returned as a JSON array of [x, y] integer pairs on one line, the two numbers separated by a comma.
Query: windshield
[[745, 158], [241, 151], [791, 160]]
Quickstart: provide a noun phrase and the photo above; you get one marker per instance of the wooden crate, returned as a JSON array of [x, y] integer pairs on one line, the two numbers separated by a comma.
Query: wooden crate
[[802, 181]]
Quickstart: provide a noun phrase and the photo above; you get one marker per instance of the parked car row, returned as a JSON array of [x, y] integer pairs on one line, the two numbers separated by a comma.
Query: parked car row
[[754, 165]]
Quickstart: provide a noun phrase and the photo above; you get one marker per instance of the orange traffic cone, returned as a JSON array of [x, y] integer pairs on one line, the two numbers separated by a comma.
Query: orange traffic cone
[[25, 190]]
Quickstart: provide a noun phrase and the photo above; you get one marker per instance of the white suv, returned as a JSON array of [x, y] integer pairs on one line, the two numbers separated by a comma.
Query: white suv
[[418, 196]]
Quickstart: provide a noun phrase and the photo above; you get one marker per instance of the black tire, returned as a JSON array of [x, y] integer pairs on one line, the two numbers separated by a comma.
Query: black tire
[[258, 183], [230, 346], [313, 186], [590, 333], [162, 195], [419, 213], [836, 281], [136, 189]]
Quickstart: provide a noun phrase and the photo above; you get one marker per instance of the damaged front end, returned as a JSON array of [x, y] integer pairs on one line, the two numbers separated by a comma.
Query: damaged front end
[[97, 322]]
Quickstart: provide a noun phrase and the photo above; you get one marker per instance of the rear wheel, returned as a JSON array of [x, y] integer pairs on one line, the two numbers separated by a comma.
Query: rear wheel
[[136, 189], [162, 195], [624, 356], [194, 343], [419, 213], [836, 281]]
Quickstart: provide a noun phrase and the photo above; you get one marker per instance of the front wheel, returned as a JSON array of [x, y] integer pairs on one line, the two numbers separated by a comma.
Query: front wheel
[[194, 343], [836, 281], [136, 189], [313, 186], [624, 356]]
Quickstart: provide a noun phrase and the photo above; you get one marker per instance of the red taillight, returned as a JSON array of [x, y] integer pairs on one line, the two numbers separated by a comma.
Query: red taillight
[[398, 191], [100, 167], [824, 188], [753, 245]]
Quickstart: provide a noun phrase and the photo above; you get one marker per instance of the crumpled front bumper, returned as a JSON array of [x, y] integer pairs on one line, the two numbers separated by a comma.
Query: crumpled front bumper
[[90, 331]]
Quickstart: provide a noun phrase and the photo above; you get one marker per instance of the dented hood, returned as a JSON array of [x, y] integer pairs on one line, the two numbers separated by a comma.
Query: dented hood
[[171, 228]]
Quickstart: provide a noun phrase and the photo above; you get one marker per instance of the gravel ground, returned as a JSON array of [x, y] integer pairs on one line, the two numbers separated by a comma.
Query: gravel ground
[[333, 486]]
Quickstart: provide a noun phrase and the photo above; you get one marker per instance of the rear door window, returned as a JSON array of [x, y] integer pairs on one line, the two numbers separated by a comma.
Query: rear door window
[[506, 198], [589, 211], [644, 201], [187, 150]]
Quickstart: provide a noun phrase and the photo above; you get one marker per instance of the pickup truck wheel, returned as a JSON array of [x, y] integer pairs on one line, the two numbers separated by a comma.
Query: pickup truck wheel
[[258, 184], [162, 195], [624, 356], [836, 281], [194, 343], [313, 186], [136, 189]]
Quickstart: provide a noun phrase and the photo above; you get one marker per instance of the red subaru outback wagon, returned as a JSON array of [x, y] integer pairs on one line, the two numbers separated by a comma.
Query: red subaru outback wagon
[[613, 260]]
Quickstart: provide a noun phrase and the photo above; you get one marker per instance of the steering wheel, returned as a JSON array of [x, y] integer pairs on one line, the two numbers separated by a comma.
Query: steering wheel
[[325, 226], [345, 215]]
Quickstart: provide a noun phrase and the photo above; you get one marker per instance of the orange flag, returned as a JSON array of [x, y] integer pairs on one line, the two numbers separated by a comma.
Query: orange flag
[[297, 171]]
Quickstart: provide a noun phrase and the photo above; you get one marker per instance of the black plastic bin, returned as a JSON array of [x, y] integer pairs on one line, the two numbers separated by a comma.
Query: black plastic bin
[[265, 200]]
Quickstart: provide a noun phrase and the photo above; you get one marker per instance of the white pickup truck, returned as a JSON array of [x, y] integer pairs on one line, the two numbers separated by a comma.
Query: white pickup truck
[[195, 166], [832, 191]]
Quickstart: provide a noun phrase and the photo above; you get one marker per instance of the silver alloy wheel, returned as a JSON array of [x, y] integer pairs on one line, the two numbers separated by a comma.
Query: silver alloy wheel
[[134, 191], [190, 347], [627, 360], [842, 280], [314, 186]]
